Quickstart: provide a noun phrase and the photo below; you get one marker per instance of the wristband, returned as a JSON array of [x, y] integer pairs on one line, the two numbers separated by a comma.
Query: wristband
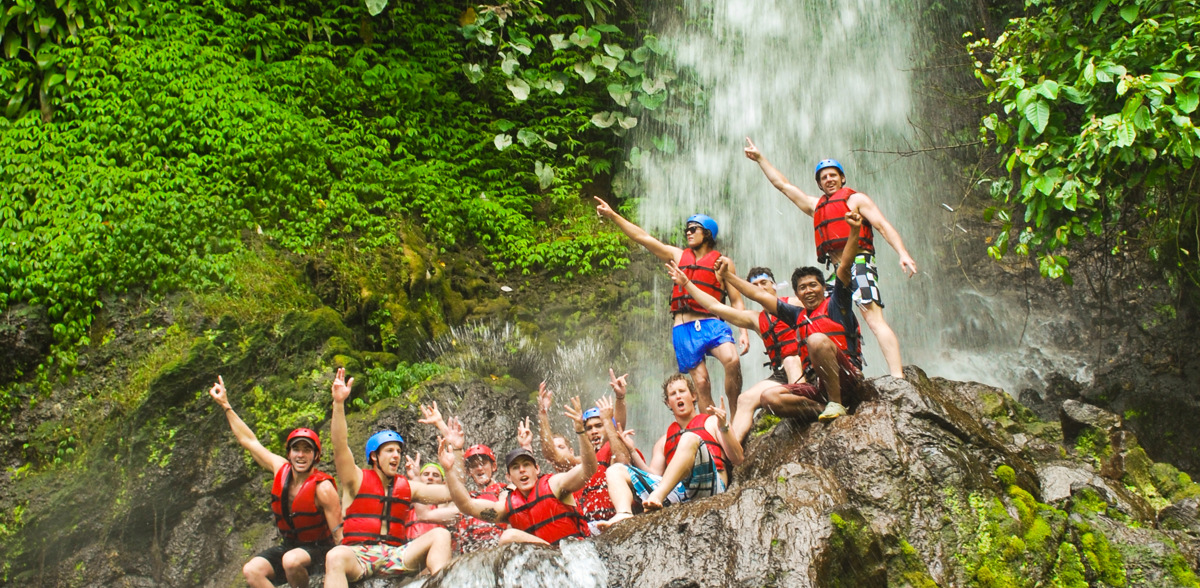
[[724, 429]]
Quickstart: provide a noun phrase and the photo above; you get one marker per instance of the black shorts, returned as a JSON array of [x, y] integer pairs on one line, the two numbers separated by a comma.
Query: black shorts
[[274, 556], [779, 375]]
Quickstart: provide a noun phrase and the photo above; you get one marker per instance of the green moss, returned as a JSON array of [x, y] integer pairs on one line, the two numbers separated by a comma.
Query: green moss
[[1181, 573], [854, 554], [1102, 558], [1068, 568], [765, 423], [911, 569], [1006, 475], [1094, 443]]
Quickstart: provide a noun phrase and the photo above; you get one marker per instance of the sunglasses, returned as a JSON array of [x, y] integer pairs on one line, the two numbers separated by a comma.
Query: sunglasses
[[691, 229]]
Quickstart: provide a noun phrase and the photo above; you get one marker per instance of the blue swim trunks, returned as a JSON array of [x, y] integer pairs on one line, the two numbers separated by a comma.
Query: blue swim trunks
[[693, 339]]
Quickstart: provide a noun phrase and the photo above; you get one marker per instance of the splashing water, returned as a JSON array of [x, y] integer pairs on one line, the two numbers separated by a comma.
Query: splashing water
[[807, 81], [575, 564]]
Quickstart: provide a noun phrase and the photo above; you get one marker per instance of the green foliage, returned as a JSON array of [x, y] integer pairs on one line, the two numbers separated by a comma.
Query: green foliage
[[393, 383], [1068, 569], [273, 416], [1095, 102], [189, 129]]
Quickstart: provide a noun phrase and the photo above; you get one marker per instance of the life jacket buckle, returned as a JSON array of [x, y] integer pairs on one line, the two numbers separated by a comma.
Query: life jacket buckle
[[697, 325]]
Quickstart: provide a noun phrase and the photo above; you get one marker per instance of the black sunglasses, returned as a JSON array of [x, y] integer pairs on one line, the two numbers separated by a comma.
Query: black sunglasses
[[691, 229]]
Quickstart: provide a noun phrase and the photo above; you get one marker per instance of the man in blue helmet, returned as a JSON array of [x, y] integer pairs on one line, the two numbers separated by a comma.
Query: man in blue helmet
[[374, 538], [831, 231], [696, 332]]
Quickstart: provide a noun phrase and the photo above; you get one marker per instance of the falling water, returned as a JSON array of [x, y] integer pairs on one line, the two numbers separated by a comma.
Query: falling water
[[808, 80]]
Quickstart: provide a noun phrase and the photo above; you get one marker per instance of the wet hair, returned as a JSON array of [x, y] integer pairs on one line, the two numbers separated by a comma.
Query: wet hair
[[757, 271], [802, 272], [671, 379]]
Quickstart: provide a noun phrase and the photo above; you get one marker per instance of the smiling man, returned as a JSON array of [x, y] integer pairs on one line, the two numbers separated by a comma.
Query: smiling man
[[473, 533], [832, 234], [540, 507], [375, 541], [303, 498], [831, 349], [691, 460]]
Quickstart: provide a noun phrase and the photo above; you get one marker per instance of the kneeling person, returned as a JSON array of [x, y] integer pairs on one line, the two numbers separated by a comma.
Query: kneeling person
[[540, 508], [690, 461], [304, 501], [375, 539]]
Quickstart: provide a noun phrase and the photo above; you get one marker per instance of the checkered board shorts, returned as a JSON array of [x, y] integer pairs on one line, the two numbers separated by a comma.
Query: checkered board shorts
[[864, 278]]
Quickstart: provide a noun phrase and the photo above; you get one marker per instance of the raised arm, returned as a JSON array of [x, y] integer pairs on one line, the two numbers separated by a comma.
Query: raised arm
[[846, 261], [635, 456], [807, 204], [488, 510], [575, 479], [343, 459], [245, 437], [560, 461], [869, 211], [620, 453], [725, 269], [620, 387], [740, 317], [524, 435], [719, 428], [638, 234], [430, 415]]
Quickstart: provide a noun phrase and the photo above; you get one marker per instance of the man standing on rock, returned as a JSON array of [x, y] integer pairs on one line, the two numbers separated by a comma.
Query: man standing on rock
[[832, 234], [696, 331], [831, 348], [375, 541], [303, 498], [690, 461], [540, 507], [778, 337]]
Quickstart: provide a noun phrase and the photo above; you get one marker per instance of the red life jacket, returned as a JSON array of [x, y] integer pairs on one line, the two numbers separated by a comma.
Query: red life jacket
[[364, 517], [778, 338], [831, 230], [471, 530], [700, 273], [417, 528], [818, 321], [593, 500], [696, 425], [301, 521], [543, 515]]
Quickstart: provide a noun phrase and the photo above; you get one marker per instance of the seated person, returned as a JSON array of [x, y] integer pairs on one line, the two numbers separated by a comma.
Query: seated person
[[540, 507], [303, 498], [423, 517], [471, 533], [690, 461], [375, 541], [778, 337], [831, 342]]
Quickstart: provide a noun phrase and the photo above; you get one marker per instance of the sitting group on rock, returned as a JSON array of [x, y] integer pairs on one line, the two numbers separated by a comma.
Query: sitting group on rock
[[399, 516]]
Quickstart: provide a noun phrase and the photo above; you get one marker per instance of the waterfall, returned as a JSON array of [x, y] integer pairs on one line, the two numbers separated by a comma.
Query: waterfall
[[809, 80]]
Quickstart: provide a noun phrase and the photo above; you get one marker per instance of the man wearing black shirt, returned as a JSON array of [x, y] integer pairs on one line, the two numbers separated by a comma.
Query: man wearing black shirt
[[831, 350]]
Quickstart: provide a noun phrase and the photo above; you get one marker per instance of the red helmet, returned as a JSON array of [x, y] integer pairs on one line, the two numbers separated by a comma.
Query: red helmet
[[483, 450], [306, 434]]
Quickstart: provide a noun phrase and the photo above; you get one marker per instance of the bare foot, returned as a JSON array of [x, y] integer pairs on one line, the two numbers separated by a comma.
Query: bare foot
[[605, 525], [652, 503]]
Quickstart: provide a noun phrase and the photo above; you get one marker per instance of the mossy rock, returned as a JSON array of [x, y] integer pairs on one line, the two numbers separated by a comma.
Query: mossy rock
[[309, 330], [853, 555]]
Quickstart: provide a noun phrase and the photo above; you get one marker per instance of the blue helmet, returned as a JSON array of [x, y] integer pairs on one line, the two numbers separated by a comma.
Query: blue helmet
[[591, 413], [705, 221], [380, 439], [824, 163]]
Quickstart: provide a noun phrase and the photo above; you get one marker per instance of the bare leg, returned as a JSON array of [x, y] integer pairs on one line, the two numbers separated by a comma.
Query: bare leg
[[793, 366], [888, 343], [783, 403], [295, 567], [703, 385], [728, 355], [432, 548], [680, 466], [514, 536], [341, 567], [620, 491], [258, 573], [747, 403], [822, 354]]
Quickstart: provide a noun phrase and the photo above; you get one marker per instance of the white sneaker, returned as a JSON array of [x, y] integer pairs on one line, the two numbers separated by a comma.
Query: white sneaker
[[833, 410]]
